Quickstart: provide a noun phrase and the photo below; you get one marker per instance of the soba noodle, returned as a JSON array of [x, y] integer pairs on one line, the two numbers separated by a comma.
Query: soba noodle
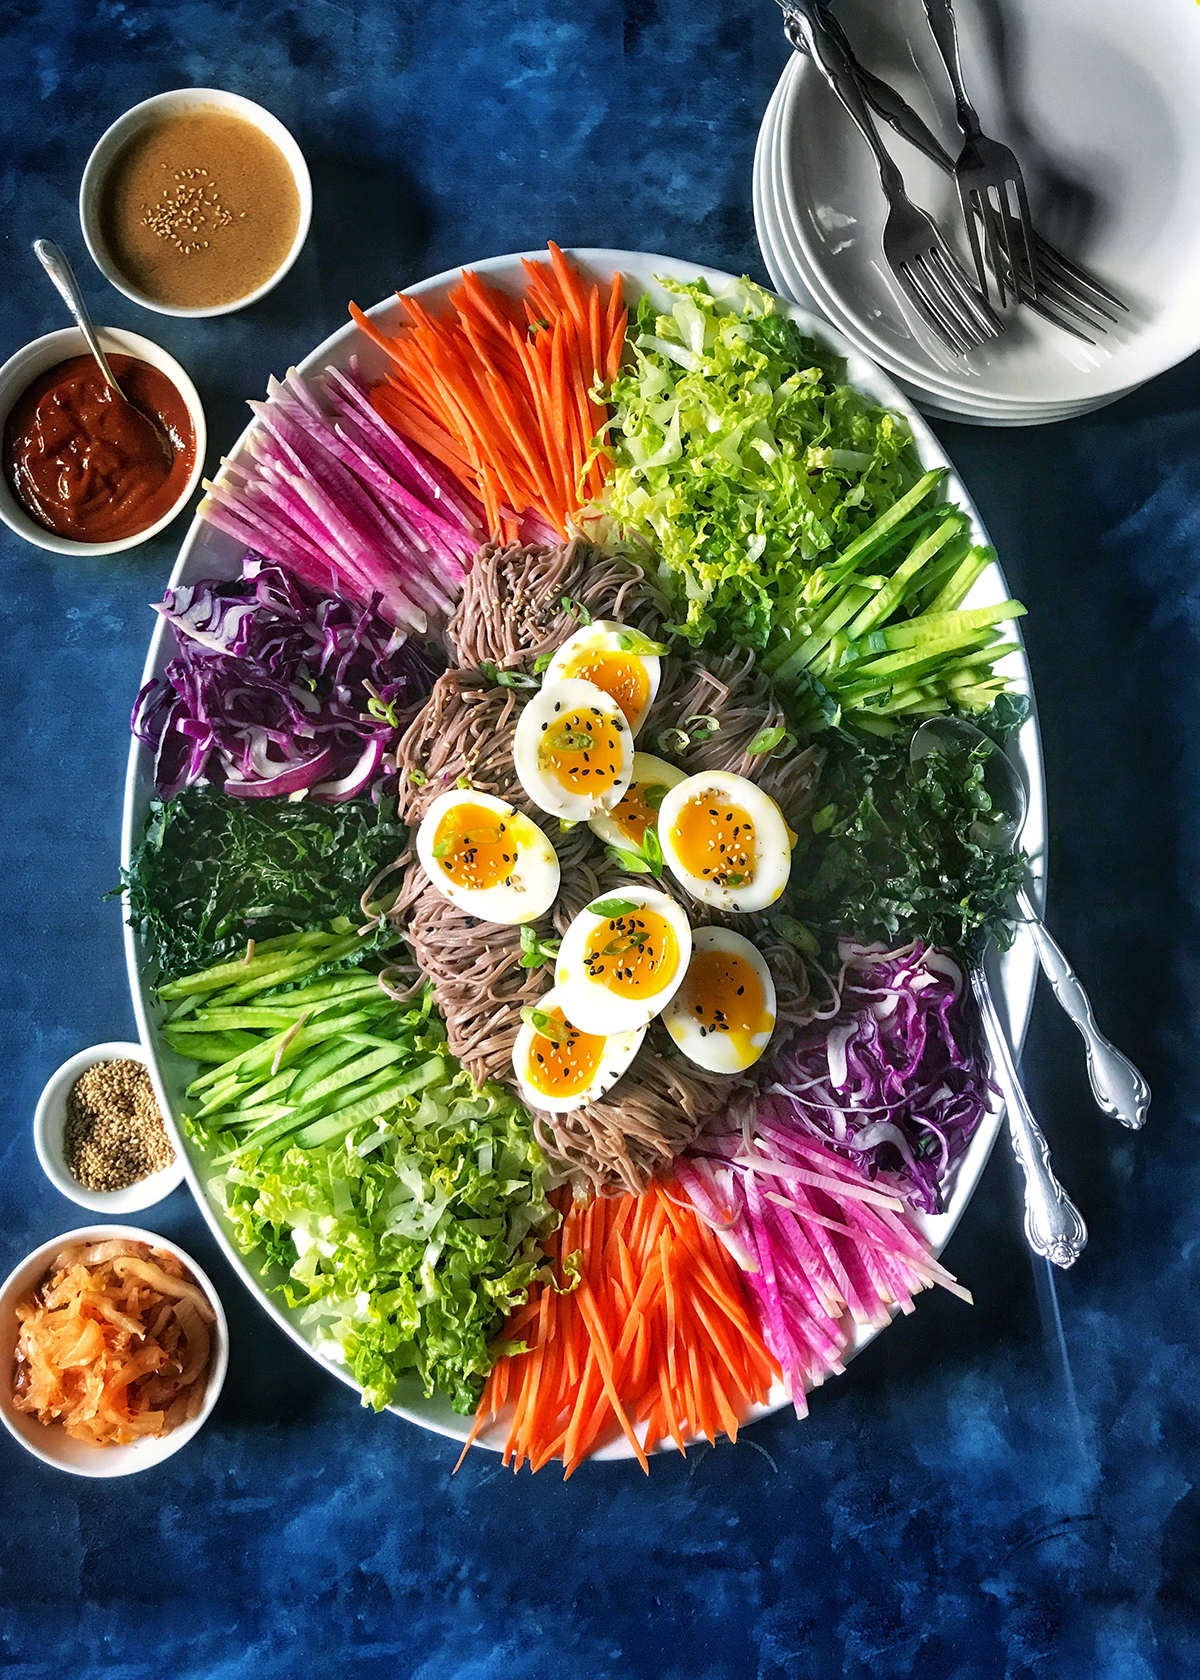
[[511, 612]]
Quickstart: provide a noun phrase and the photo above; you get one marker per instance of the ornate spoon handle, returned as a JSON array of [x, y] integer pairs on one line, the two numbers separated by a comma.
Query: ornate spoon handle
[[1119, 1088], [1054, 1227]]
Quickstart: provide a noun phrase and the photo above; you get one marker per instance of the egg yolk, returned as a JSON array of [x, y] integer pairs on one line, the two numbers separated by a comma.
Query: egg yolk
[[582, 749], [632, 956], [638, 810], [714, 840], [622, 676], [566, 1068], [476, 848], [722, 993]]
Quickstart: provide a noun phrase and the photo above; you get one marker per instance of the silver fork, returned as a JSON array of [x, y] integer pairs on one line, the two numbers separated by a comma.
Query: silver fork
[[985, 167], [1065, 289], [926, 269]]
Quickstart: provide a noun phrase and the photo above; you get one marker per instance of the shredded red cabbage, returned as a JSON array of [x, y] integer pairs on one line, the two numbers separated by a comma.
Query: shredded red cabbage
[[897, 1081], [278, 689]]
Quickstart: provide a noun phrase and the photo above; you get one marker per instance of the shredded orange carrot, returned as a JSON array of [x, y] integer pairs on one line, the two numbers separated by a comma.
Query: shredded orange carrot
[[655, 1341], [504, 395]]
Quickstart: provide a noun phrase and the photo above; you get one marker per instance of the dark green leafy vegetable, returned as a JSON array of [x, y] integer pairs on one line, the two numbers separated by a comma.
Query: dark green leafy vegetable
[[894, 851], [212, 872]]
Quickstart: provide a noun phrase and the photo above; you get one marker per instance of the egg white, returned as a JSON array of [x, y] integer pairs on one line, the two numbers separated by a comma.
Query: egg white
[[619, 1050], [647, 771], [720, 1052], [772, 845], [587, 1003], [531, 888], [603, 636], [542, 711]]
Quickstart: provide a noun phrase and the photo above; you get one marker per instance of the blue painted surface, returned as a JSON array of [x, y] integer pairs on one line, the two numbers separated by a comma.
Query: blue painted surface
[[977, 1498]]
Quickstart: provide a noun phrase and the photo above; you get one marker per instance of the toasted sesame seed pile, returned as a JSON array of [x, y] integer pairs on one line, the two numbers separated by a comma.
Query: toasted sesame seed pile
[[115, 1134]]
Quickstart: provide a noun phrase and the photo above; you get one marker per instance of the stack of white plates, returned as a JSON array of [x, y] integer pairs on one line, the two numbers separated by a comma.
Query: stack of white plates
[[1101, 105]]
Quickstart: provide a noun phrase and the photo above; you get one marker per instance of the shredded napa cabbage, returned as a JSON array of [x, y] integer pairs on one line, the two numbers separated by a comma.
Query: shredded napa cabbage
[[740, 455], [408, 1242]]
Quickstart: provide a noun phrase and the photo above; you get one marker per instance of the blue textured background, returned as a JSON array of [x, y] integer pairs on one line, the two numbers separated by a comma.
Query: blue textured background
[[981, 1496]]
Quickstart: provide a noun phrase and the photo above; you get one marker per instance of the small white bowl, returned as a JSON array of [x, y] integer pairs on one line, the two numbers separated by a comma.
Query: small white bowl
[[154, 110], [50, 1442], [49, 1126], [19, 373]]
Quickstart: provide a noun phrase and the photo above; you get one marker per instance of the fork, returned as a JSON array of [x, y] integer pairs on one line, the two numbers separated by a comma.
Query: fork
[[927, 271], [986, 167], [1065, 289]]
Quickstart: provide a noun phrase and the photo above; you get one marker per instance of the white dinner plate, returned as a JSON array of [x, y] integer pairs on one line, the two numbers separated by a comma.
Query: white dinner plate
[[800, 281], [207, 552], [1101, 102]]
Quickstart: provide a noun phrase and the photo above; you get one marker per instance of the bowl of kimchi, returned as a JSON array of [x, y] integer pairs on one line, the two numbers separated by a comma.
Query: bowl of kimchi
[[113, 1350]]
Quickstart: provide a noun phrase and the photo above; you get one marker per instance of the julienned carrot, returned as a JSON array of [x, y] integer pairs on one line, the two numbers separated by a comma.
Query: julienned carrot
[[654, 1340], [510, 405]]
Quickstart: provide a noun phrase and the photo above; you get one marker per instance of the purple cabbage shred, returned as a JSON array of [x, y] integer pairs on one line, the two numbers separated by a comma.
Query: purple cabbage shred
[[279, 689], [897, 1082]]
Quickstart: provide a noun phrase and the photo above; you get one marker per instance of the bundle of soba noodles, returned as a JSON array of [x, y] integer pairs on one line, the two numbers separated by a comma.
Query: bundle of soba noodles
[[519, 604]]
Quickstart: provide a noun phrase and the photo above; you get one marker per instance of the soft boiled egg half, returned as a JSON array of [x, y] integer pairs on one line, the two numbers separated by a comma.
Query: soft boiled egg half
[[558, 1067], [490, 860], [649, 783], [726, 841], [620, 660], [622, 960], [573, 750], [723, 1014]]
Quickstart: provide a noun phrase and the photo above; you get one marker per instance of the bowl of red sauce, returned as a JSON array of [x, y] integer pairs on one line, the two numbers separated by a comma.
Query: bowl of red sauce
[[81, 471]]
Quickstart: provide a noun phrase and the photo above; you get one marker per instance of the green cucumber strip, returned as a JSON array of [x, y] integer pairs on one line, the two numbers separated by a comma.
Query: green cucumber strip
[[891, 596], [956, 588], [302, 1113], [223, 974], [260, 1115], [263, 1053], [376, 1097], [850, 557], [354, 1072], [919, 631], [337, 1125], [333, 987], [897, 535], [232, 1020], [214, 1047], [803, 653], [325, 1061], [884, 676], [297, 970]]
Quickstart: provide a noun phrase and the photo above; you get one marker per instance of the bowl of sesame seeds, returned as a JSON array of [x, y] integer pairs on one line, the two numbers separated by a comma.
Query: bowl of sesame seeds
[[99, 1133]]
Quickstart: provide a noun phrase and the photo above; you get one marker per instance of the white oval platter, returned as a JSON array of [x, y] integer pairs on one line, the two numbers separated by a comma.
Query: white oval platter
[[207, 552]]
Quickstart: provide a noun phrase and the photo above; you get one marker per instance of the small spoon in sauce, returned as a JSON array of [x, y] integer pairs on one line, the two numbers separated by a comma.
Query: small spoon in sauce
[[53, 260]]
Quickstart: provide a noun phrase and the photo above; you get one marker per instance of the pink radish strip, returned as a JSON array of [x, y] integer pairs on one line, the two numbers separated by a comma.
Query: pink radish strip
[[426, 470]]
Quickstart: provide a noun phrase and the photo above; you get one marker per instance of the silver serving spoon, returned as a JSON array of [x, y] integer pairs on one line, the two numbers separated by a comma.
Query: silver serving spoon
[[1119, 1088], [53, 260], [1054, 1227]]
